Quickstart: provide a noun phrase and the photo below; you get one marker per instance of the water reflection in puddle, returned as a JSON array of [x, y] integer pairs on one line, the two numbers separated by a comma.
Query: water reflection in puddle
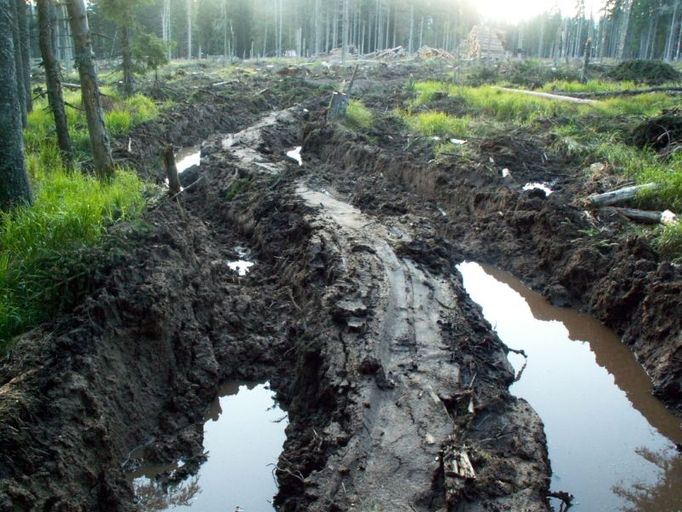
[[536, 186], [295, 154], [611, 443], [243, 435], [242, 267], [187, 157]]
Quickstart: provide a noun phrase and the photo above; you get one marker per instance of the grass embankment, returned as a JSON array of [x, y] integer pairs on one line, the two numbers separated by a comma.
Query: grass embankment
[[49, 249], [601, 132]]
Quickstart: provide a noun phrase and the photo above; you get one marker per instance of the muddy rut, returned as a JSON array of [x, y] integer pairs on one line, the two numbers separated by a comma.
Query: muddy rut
[[395, 386]]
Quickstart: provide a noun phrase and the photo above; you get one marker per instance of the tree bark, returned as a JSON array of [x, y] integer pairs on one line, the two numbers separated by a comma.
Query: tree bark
[[13, 10], [99, 138], [55, 96], [189, 29], [128, 79], [25, 39], [14, 187]]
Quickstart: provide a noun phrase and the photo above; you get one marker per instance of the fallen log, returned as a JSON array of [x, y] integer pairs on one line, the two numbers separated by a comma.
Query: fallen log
[[626, 92], [620, 195], [548, 96], [647, 217]]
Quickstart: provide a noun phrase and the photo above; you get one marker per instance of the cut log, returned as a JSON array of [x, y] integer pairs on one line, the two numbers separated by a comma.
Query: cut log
[[548, 96], [646, 217], [174, 186], [626, 92], [619, 196]]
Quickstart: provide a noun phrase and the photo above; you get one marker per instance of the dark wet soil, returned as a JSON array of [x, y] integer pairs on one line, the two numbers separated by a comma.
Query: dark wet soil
[[395, 386]]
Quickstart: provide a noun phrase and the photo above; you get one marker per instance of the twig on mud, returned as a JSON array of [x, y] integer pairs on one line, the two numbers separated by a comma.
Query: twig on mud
[[473, 379], [525, 363], [565, 497], [187, 187], [277, 467], [293, 301]]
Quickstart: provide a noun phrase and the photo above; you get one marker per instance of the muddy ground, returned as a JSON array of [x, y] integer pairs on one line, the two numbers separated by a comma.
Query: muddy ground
[[392, 380]]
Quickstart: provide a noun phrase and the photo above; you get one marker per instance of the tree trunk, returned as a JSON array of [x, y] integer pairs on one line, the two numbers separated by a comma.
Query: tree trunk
[[25, 39], [128, 79], [99, 138], [13, 10], [166, 26], [53, 80], [189, 29], [410, 44], [670, 43], [15, 188], [586, 62]]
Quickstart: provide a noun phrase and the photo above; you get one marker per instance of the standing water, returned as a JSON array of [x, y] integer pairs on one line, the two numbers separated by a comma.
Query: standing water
[[611, 443], [243, 435], [187, 157]]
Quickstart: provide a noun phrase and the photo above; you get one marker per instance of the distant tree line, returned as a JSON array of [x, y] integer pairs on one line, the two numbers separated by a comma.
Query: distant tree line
[[622, 29]]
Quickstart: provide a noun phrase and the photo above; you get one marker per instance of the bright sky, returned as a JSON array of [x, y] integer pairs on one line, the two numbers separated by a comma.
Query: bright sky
[[513, 11]]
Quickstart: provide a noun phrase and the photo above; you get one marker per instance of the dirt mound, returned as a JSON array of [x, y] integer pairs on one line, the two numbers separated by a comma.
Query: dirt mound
[[645, 71], [662, 133]]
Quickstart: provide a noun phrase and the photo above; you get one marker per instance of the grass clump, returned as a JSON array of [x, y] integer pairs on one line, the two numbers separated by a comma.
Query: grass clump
[[669, 241], [44, 247], [437, 124], [358, 115]]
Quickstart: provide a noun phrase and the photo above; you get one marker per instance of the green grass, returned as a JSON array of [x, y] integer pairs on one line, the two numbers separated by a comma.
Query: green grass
[[49, 250], [437, 124], [121, 115], [44, 247], [669, 241], [358, 115], [584, 133]]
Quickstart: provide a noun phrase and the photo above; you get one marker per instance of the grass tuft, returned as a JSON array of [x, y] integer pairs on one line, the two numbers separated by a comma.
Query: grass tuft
[[438, 124], [358, 115], [43, 248]]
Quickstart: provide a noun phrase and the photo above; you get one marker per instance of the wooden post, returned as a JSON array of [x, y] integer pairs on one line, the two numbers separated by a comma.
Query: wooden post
[[174, 187]]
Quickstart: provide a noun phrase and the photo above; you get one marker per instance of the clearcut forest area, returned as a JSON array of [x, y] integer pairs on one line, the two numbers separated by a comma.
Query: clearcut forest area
[[354, 255]]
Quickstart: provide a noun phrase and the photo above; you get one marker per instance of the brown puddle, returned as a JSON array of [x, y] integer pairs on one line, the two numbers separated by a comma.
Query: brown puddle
[[611, 443], [243, 435]]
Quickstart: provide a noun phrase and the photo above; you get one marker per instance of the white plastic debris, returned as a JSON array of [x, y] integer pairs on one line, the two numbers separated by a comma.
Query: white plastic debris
[[506, 173]]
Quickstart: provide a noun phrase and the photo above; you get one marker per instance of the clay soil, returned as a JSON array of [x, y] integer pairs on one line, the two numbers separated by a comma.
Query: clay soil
[[392, 381]]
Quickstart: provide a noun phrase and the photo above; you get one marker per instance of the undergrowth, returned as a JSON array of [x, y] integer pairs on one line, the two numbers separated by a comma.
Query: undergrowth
[[49, 250], [44, 248]]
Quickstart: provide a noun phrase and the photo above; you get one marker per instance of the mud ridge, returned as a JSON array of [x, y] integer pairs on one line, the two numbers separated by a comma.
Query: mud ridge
[[396, 375], [543, 239]]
